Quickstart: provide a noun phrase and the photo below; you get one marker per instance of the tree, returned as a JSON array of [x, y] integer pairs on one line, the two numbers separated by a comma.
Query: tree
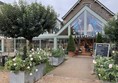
[[111, 30], [71, 44], [26, 20], [99, 38]]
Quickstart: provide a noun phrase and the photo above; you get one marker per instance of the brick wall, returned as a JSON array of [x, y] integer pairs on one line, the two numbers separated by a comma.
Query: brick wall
[[94, 6]]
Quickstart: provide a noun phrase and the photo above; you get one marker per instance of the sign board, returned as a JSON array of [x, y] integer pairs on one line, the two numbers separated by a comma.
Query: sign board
[[102, 49]]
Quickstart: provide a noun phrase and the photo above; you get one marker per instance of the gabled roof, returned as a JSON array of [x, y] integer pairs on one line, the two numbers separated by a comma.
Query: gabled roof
[[85, 8], [1, 3], [80, 1]]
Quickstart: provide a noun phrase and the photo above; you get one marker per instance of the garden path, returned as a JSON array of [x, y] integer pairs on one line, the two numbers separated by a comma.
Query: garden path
[[74, 70]]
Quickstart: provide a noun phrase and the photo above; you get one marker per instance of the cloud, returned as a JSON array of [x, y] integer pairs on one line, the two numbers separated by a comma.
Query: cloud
[[111, 4]]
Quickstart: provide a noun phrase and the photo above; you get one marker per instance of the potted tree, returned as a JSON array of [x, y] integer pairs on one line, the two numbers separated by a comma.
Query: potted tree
[[71, 46]]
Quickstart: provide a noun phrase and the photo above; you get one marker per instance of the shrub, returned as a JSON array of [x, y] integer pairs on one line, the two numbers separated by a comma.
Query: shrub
[[106, 69], [29, 64], [115, 57], [99, 38], [16, 64], [58, 53], [71, 44]]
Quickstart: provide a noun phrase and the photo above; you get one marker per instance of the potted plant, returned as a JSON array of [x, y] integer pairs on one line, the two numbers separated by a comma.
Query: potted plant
[[71, 46], [57, 57], [28, 70]]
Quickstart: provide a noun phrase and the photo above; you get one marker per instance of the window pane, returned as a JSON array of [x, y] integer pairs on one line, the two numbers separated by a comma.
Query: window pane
[[78, 24], [93, 25]]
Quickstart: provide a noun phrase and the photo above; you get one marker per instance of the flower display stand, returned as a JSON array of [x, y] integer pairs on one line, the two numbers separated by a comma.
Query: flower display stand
[[22, 77]]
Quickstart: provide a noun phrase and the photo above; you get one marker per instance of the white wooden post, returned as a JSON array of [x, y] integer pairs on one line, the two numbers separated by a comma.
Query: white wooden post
[[85, 22], [55, 43], [14, 44], [69, 30]]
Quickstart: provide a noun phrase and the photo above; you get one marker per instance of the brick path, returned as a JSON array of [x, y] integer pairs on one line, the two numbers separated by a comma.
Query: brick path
[[74, 70]]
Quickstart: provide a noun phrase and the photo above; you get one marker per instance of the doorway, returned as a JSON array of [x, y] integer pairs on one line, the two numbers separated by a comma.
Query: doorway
[[86, 46]]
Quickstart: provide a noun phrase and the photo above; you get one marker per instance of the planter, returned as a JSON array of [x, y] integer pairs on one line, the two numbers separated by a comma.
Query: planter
[[22, 77], [55, 61], [71, 53], [40, 72]]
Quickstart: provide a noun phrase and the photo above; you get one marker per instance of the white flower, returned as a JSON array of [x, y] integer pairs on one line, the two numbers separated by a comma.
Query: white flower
[[30, 64], [94, 62], [38, 53], [99, 74], [36, 70], [40, 49], [113, 51], [28, 67], [110, 65], [14, 64], [31, 59], [24, 61], [117, 66], [14, 59], [30, 74], [39, 57], [101, 65], [32, 49], [37, 49], [30, 55]]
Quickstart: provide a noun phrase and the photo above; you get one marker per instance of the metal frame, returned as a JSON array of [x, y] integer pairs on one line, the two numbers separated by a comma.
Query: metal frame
[[103, 43]]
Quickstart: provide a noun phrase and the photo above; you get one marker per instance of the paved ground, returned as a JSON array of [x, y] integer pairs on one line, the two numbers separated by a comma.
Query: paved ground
[[4, 77], [74, 70]]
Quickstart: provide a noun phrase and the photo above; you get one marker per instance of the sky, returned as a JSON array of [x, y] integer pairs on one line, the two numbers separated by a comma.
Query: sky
[[62, 6]]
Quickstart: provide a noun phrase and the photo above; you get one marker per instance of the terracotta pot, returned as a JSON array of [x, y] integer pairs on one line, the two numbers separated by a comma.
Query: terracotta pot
[[71, 53]]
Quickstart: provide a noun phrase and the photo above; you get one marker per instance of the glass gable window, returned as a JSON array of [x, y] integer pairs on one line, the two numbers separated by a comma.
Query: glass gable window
[[89, 25], [78, 24], [93, 25]]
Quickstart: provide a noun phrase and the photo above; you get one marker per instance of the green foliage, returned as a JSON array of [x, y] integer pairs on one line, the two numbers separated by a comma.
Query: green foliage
[[106, 69], [1, 68], [16, 64], [71, 44], [115, 57], [99, 38], [26, 20], [48, 68], [33, 59], [111, 30], [58, 53], [24, 53]]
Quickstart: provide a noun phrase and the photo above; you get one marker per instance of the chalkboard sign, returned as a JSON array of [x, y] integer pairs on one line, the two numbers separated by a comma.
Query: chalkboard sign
[[102, 49]]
